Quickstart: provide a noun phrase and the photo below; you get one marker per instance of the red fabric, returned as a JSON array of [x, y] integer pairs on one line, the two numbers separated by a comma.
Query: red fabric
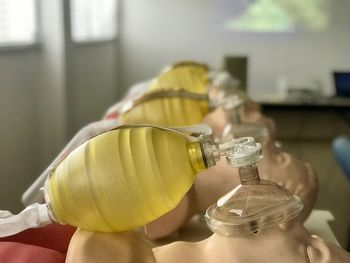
[[13, 252], [45, 244], [52, 236], [112, 115]]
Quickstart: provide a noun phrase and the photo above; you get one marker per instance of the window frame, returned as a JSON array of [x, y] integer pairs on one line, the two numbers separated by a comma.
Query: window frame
[[93, 42], [18, 46]]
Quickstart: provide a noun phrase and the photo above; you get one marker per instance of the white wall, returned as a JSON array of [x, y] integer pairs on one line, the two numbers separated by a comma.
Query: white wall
[[32, 107], [19, 141], [92, 82], [158, 32]]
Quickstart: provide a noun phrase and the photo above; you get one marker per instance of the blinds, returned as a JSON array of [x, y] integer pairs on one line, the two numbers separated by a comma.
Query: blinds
[[93, 20], [18, 22]]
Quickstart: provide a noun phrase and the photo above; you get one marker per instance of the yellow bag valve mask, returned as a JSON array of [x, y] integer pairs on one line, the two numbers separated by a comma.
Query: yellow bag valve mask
[[121, 179]]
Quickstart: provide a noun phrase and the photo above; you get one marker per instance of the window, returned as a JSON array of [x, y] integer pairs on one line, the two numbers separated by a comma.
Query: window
[[18, 25], [93, 20]]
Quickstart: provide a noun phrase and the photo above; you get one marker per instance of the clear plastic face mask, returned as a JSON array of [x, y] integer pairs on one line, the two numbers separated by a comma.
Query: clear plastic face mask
[[255, 204]]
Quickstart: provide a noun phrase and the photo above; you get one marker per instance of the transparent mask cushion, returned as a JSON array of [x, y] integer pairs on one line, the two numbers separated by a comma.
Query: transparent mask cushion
[[251, 208], [255, 204]]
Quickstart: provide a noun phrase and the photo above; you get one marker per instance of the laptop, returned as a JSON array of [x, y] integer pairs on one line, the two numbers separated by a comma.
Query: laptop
[[342, 83]]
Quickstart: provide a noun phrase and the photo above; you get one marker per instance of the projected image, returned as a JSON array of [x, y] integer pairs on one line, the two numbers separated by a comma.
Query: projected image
[[280, 16]]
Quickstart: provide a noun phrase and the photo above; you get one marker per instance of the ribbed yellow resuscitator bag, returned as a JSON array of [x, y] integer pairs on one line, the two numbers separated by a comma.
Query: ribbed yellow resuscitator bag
[[189, 76], [123, 178], [168, 110], [177, 97]]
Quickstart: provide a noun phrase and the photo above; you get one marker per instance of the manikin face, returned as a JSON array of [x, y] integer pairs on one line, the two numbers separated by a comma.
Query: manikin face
[[297, 177], [276, 244]]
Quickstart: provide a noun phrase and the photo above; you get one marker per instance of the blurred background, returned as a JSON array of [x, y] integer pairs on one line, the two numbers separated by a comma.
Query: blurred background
[[64, 62]]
